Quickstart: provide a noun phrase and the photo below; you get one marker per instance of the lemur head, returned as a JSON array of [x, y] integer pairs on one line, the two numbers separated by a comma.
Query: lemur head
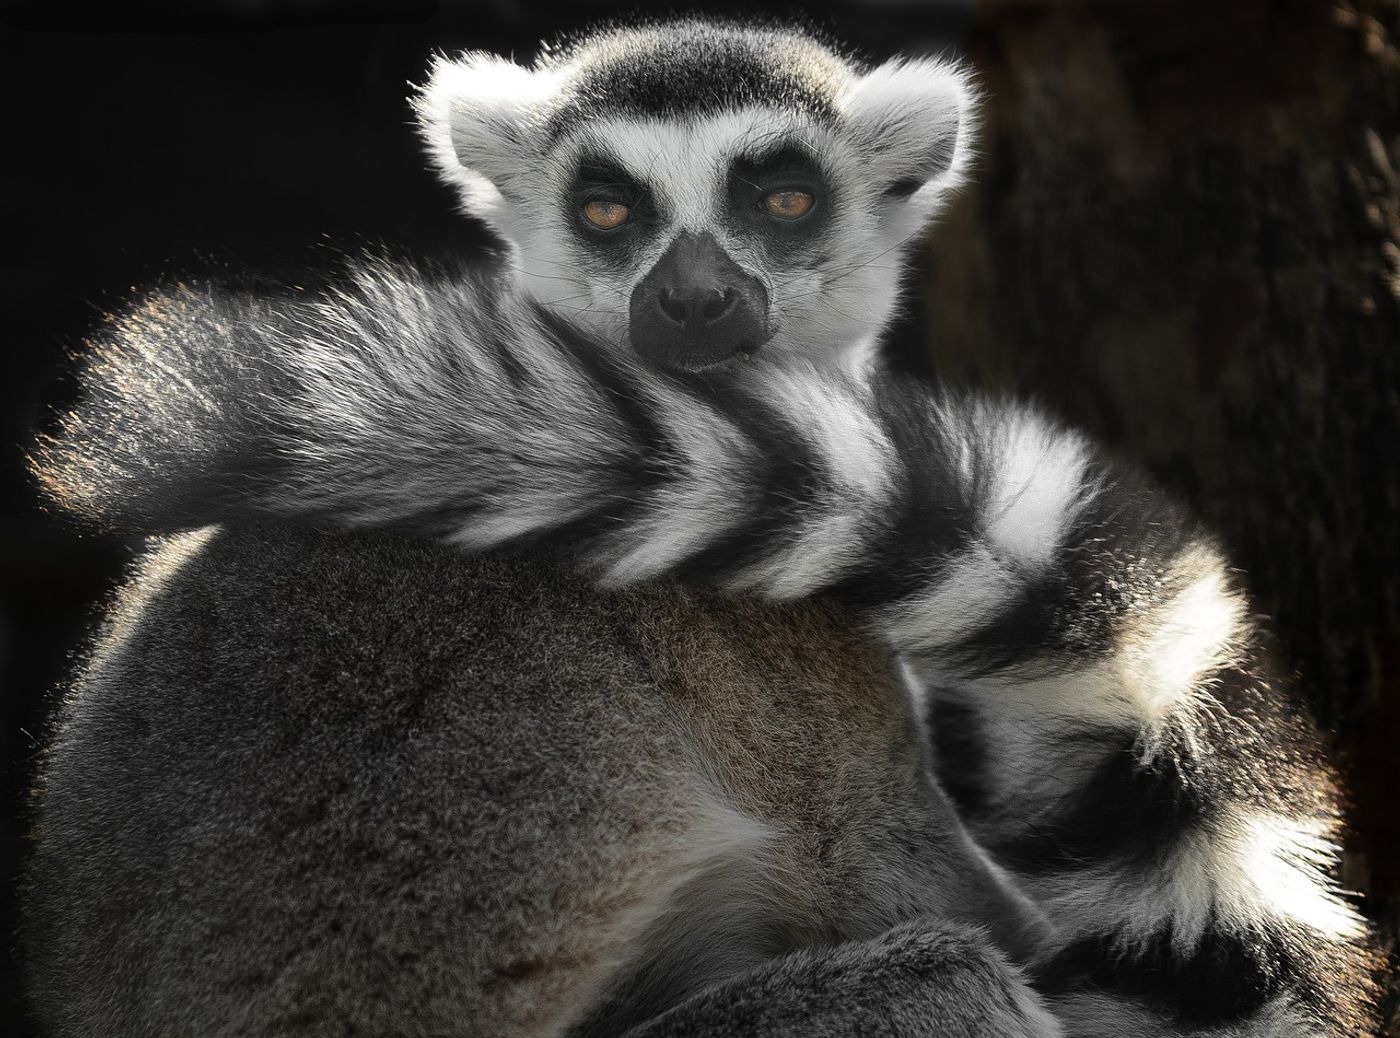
[[703, 192]]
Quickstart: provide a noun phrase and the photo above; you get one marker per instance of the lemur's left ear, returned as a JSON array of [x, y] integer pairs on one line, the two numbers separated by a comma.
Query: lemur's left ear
[[913, 120], [478, 114]]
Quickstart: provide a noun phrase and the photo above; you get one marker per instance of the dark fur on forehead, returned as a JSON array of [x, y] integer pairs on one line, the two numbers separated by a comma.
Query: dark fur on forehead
[[697, 67]]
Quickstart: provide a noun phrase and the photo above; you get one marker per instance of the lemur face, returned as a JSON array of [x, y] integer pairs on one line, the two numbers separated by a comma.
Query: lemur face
[[704, 194]]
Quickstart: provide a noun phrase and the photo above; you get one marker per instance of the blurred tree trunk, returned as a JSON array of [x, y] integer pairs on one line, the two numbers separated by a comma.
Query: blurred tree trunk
[[1183, 238]]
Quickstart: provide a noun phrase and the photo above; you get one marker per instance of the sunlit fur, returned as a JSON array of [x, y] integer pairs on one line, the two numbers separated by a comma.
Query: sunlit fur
[[494, 130]]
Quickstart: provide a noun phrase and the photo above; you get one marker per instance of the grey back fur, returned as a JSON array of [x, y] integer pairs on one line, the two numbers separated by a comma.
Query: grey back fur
[[314, 785]]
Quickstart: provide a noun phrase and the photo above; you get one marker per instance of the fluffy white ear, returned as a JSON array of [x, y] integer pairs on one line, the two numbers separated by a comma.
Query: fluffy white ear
[[913, 120], [479, 115]]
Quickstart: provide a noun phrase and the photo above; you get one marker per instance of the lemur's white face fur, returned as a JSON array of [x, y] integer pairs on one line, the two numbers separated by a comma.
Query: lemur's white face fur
[[703, 193]]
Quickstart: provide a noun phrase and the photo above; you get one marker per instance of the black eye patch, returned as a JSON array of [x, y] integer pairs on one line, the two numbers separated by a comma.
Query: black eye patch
[[752, 178], [599, 179]]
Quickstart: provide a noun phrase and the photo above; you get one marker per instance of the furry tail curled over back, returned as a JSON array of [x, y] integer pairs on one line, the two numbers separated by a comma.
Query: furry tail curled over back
[[1164, 797], [392, 400]]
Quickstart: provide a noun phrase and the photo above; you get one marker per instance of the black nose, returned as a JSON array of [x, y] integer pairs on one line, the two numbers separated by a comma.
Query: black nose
[[697, 307]]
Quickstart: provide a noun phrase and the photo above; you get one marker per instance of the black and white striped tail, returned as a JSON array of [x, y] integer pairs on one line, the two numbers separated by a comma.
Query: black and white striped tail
[[1122, 747]]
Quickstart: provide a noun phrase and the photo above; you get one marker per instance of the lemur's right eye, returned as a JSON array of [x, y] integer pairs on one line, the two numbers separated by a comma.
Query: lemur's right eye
[[605, 214], [789, 204]]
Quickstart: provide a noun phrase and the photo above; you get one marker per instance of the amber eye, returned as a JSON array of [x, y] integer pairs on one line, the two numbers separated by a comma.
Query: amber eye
[[789, 205], [605, 215]]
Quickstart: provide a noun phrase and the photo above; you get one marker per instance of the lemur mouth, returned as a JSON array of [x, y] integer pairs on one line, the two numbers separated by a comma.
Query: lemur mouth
[[702, 358]]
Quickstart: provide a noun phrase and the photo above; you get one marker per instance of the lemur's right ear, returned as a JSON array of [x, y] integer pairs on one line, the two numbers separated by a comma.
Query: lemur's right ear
[[477, 114], [913, 120]]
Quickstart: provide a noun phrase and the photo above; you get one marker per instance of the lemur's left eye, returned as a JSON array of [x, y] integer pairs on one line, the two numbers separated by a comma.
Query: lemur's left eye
[[604, 214], [789, 205]]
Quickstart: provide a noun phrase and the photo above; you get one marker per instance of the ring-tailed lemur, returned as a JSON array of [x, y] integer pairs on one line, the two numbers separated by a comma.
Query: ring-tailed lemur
[[314, 783]]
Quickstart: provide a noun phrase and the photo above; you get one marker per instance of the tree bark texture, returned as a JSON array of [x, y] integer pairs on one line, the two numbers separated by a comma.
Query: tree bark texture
[[1183, 239]]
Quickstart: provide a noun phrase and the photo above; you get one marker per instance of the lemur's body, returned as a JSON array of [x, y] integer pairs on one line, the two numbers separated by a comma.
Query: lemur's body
[[313, 783], [456, 796]]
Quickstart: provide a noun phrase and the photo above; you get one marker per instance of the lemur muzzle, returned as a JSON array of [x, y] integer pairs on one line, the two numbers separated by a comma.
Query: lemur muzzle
[[697, 307]]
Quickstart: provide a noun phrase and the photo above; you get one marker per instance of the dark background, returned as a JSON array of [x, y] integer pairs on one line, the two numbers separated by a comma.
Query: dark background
[[1183, 239]]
